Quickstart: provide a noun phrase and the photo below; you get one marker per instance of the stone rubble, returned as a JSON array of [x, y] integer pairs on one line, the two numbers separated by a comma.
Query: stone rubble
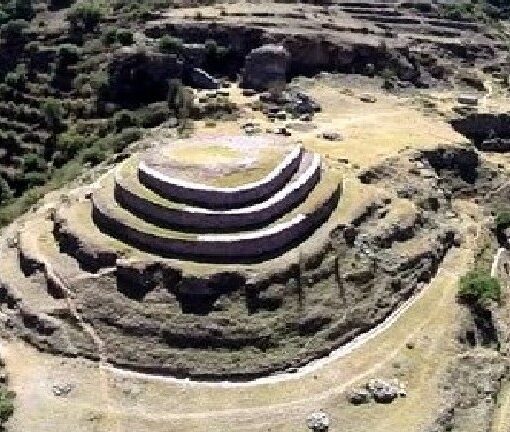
[[379, 390], [318, 421]]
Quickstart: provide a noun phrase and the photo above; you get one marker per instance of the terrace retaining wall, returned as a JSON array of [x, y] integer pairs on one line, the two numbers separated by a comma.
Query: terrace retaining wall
[[205, 220], [243, 247], [221, 198]]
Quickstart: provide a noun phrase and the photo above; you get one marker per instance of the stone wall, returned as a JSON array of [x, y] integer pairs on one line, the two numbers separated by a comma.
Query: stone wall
[[218, 220], [221, 198], [240, 247]]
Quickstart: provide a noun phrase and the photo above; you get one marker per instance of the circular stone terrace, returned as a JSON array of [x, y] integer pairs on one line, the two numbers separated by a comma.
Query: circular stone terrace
[[220, 199]]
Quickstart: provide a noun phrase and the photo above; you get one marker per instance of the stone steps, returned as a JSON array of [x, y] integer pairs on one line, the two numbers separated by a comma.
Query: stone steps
[[355, 10], [145, 204], [246, 245], [30, 291], [389, 19], [413, 29], [380, 4], [163, 182]]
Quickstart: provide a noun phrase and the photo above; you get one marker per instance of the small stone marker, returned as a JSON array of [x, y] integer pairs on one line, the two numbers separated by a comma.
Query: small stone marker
[[468, 100], [318, 421]]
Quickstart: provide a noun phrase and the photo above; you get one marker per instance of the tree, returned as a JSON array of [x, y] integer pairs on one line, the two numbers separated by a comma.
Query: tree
[[477, 287], [5, 191], [170, 45], [6, 404], [85, 17], [21, 9], [53, 114], [180, 101]]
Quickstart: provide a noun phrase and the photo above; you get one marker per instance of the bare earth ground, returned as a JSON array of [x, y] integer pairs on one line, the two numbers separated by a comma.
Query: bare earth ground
[[105, 400]]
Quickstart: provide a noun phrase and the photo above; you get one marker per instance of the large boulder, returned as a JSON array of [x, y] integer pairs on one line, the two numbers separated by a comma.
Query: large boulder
[[265, 67], [482, 126], [140, 76]]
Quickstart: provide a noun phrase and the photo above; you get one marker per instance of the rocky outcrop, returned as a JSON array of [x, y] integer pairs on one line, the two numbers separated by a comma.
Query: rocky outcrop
[[265, 68], [483, 126], [89, 256], [139, 76]]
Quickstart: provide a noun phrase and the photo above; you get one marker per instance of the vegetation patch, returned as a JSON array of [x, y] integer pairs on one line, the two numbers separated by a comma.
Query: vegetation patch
[[478, 287]]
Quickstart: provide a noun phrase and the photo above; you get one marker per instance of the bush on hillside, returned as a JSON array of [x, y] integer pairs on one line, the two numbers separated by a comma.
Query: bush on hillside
[[5, 191], [477, 287], [71, 142], [125, 37], [503, 219], [94, 155], [6, 404], [109, 36], [33, 162], [153, 115], [170, 45], [17, 79], [124, 119], [23, 9], [53, 113], [85, 16], [14, 31]]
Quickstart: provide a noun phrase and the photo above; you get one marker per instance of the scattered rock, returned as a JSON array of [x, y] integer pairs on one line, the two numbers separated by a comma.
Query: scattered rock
[[62, 390], [318, 421], [367, 98], [379, 390], [332, 136], [359, 396], [468, 100]]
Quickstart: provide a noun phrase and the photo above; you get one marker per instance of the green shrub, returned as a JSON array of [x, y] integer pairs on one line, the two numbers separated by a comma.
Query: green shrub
[[70, 143], [21, 9], [124, 119], [53, 113], [153, 115], [68, 53], [34, 178], [99, 82], [4, 17], [125, 37], [215, 54], [118, 142], [503, 219], [85, 16], [33, 162], [5, 191], [170, 45], [94, 155], [130, 135], [478, 287], [109, 36], [14, 31], [6, 404], [17, 79]]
